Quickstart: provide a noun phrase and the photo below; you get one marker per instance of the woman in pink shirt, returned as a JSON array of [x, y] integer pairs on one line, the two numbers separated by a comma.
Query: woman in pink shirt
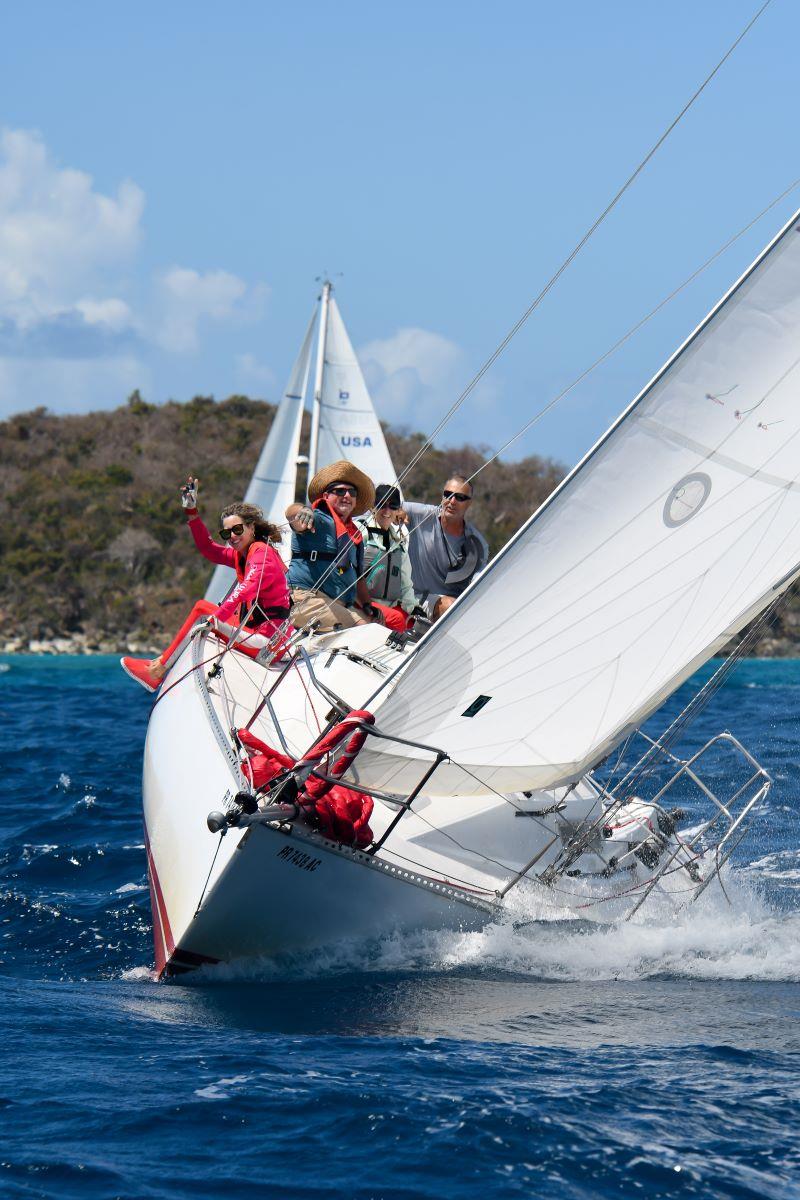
[[260, 597]]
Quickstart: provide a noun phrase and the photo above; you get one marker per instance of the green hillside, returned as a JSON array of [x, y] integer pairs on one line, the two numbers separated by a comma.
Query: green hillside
[[94, 553], [92, 537]]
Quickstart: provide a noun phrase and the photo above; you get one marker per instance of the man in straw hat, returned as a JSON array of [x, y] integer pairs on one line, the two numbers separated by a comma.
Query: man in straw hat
[[327, 550]]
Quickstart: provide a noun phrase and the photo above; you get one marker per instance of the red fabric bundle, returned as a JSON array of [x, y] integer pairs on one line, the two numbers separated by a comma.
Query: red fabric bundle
[[339, 813], [343, 816], [263, 763]]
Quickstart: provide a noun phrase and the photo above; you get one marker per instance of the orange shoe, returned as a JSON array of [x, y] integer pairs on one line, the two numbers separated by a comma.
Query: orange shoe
[[139, 669]]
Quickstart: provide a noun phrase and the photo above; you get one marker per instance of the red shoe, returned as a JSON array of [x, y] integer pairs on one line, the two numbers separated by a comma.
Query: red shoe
[[139, 669]]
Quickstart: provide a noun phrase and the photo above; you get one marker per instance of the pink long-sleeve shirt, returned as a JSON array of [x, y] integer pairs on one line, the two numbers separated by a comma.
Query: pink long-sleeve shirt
[[264, 579]]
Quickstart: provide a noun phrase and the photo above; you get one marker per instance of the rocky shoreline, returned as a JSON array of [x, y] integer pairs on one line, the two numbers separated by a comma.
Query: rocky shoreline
[[78, 643], [103, 643]]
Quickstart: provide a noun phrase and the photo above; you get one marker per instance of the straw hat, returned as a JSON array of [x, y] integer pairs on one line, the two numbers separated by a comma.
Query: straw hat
[[344, 472]]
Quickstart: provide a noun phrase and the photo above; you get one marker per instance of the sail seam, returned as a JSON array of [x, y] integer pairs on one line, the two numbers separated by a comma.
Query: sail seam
[[708, 452]]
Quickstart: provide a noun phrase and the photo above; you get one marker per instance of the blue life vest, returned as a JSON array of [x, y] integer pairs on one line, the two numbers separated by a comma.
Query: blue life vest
[[321, 555]]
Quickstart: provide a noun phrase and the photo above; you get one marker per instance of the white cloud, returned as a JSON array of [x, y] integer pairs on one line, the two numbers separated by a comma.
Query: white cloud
[[112, 313], [187, 297], [58, 236], [71, 336], [411, 373], [415, 375], [430, 357]]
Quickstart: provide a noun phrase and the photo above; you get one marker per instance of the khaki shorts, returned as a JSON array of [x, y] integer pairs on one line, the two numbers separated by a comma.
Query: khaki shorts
[[316, 606]]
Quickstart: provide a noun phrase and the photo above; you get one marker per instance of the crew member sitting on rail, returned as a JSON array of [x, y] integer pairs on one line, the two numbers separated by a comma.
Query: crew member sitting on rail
[[260, 596], [327, 551], [386, 559], [447, 551]]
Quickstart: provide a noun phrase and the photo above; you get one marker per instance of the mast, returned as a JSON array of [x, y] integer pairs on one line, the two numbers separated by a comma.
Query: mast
[[319, 372]]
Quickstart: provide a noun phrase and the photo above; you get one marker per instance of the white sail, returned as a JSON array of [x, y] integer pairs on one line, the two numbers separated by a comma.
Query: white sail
[[679, 526], [348, 426], [272, 486]]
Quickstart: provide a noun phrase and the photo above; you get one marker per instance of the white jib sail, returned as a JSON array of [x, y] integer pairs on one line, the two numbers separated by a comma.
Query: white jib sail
[[272, 486], [678, 527], [348, 426]]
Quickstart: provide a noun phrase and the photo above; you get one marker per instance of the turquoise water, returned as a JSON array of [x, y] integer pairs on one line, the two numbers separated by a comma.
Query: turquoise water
[[657, 1058]]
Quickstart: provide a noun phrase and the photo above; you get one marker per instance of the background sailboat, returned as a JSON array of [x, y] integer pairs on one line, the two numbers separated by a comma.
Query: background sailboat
[[343, 424]]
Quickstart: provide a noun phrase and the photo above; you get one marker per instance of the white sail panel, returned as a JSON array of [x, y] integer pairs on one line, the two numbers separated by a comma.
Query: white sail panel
[[675, 530], [348, 426], [272, 486]]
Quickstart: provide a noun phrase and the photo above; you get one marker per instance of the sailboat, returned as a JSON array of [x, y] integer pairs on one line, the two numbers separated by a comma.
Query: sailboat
[[498, 748], [343, 425]]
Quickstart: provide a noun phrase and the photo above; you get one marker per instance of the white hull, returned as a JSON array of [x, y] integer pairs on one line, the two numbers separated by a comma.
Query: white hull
[[269, 888], [265, 889]]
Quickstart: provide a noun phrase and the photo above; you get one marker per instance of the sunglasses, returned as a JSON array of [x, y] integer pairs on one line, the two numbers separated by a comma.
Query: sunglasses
[[389, 507], [231, 531], [460, 496], [343, 490]]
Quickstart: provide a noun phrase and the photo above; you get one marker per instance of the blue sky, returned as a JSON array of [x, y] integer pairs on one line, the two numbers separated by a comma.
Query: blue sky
[[174, 177]]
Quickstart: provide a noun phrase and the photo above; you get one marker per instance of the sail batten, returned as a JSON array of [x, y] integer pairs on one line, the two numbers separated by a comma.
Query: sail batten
[[666, 540]]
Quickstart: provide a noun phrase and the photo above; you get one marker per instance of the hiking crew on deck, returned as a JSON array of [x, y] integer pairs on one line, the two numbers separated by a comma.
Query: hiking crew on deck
[[386, 559], [447, 551], [261, 593], [327, 550]]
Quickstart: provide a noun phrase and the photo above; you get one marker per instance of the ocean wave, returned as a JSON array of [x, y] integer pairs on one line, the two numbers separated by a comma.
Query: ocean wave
[[708, 941]]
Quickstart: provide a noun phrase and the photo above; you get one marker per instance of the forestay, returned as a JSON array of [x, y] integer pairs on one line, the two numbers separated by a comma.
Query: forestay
[[678, 527], [272, 486], [348, 426]]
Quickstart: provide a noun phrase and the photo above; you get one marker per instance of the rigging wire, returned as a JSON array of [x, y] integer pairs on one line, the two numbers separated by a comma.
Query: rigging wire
[[634, 329], [578, 247], [657, 754], [617, 345], [562, 268], [552, 282]]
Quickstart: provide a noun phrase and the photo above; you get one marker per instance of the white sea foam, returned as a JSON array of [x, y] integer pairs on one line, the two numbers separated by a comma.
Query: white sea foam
[[223, 1089], [140, 974], [712, 940]]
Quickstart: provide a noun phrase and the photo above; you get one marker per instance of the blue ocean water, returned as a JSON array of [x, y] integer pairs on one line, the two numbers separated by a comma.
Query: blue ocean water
[[659, 1058]]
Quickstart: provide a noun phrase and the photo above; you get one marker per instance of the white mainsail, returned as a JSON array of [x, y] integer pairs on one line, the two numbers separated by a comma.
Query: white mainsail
[[678, 527], [272, 486], [348, 425]]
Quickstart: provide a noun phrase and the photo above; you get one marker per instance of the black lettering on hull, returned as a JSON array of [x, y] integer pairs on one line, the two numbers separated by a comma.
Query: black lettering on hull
[[298, 858]]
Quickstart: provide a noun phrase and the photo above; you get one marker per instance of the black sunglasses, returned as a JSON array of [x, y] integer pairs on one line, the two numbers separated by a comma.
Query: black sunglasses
[[343, 490], [456, 496], [231, 531]]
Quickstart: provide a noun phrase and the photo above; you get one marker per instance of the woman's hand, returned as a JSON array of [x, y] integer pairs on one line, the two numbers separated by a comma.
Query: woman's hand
[[189, 492]]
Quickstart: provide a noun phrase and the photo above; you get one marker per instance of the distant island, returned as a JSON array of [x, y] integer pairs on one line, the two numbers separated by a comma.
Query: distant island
[[94, 553]]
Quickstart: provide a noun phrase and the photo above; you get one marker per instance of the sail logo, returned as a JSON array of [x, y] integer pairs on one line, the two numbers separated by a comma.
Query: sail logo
[[355, 440], [344, 395]]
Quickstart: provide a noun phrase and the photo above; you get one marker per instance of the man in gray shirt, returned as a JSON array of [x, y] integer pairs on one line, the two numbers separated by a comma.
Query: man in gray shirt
[[446, 551]]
